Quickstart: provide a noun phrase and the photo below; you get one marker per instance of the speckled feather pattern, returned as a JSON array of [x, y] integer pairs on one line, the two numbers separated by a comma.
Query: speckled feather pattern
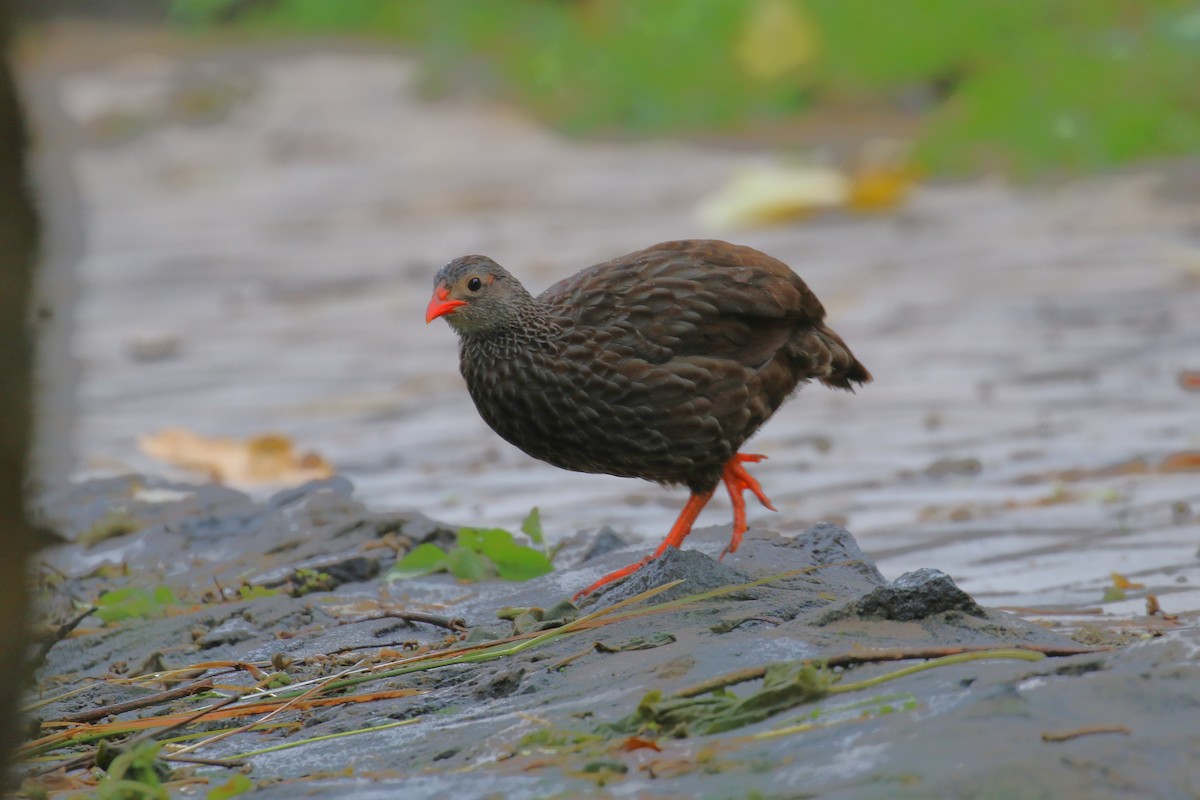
[[657, 365]]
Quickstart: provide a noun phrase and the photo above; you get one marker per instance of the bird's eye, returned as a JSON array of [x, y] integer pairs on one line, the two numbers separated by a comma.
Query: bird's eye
[[474, 284]]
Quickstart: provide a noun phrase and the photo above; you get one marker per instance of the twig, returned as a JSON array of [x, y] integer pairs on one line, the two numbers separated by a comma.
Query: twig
[[212, 762], [868, 657], [60, 634], [1063, 736], [872, 656], [721, 681], [1051, 612], [573, 658], [358, 648], [90, 758], [78, 762], [956, 658], [456, 624], [142, 702]]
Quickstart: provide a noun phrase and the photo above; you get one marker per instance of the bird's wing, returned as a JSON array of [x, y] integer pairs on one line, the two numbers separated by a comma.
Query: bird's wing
[[679, 300]]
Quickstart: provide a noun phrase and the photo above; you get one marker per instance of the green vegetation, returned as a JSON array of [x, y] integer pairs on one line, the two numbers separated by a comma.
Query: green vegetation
[[306, 581], [1020, 86], [134, 602], [480, 553], [785, 685], [132, 773], [238, 784]]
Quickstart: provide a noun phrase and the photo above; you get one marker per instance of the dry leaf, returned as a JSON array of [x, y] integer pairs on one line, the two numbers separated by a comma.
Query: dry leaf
[[881, 187], [1189, 380], [637, 743], [1153, 609], [1123, 583], [1186, 461], [770, 195], [267, 459], [882, 176]]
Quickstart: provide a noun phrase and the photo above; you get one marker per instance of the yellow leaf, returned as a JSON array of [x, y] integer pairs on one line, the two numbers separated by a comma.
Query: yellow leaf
[[882, 177], [778, 37], [880, 188], [267, 459], [1121, 582], [766, 196]]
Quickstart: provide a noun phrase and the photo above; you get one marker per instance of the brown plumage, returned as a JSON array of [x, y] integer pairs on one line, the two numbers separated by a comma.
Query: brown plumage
[[657, 365]]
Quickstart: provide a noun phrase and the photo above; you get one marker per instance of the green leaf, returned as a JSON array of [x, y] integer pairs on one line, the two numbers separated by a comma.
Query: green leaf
[[248, 592], [519, 563], [1112, 594], [467, 565], [481, 553], [483, 539], [238, 784], [137, 772], [133, 602], [421, 560], [514, 562], [532, 527]]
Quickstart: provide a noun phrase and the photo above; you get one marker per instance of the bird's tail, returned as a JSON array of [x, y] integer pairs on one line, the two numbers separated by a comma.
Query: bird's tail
[[841, 369]]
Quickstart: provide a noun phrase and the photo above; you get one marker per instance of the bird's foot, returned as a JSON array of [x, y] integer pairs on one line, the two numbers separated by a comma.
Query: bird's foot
[[675, 537], [613, 576], [738, 480]]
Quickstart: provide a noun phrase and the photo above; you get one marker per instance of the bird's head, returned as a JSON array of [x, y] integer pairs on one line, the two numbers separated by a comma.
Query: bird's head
[[476, 295]]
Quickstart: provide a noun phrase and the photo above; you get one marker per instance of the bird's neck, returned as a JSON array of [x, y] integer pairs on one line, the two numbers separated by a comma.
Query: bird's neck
[[530, 328]]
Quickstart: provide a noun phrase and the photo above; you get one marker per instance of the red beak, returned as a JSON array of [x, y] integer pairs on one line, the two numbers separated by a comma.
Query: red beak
[[439, 304]]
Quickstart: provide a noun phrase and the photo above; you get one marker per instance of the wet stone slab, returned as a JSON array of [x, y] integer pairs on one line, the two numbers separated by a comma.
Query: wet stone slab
[[537, 722]]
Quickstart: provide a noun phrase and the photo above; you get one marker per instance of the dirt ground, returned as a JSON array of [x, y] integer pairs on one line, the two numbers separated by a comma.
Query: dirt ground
[[243, 240]]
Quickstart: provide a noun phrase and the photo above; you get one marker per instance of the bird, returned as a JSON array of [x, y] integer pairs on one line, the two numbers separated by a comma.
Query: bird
[[658, 364]]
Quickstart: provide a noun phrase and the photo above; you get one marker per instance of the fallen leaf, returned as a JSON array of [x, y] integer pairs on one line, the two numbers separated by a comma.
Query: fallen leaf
[[266, 459], [1189, 379], [1135, 466], [1187, 461], [637, 743], [771, 195], [1064, 736], [1153, 609], [1121, 582], [880, 187]]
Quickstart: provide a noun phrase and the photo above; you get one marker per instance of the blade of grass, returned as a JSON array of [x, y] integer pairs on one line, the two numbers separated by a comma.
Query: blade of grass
[[960, 658], [302, 742]]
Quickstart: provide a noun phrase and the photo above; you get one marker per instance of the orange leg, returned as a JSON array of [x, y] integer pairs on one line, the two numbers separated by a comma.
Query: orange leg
[[678, 532], [737, 481]]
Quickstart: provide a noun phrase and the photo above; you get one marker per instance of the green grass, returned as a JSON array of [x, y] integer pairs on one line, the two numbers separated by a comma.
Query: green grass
[[1025, 87]]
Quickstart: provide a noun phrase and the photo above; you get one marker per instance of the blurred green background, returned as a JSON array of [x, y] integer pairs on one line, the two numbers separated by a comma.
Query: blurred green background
[[1021, 87]]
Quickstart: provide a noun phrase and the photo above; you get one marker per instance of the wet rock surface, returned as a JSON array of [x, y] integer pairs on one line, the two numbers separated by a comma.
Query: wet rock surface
[[915, 595], [534, 722]]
